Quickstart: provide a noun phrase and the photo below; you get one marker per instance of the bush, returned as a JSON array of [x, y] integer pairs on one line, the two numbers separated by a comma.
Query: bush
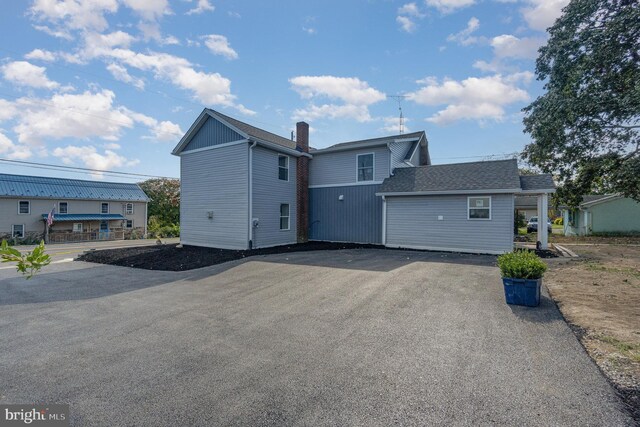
[[558, 221], [521, 264]]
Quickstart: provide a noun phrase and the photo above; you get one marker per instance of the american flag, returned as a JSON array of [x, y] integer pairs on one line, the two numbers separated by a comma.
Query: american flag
[[50, 217]]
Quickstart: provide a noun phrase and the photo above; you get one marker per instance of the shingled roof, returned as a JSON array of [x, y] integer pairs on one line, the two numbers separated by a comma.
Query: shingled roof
[[62, 188], [536, 182], [494, 176]]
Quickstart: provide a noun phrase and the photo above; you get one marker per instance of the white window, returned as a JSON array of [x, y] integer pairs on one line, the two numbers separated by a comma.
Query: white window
[[128, 209], [17, 231], [104, 208], [24, 207], [283, 167], [77, 227], [63, 207], [284, 216], [365, 167], [479, 207], [128, 223]]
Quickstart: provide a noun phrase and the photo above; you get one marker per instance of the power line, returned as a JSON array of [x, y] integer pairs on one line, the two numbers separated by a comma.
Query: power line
[[82, 170]]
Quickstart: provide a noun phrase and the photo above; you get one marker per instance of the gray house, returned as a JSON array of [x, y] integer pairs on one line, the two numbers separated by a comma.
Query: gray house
[[243, 187]]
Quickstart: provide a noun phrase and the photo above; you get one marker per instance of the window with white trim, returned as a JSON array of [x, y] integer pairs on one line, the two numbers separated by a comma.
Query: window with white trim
[[128, 209], [284, 217], [104, 208], [365, 167], [77, 227], [128, 224], [479, 207], [283, 167], [17, 230], [63, 207], [24, 207]]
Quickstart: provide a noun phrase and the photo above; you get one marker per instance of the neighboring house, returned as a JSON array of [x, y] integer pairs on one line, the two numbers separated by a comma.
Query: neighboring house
[[608, 213], [243, 187], [526, 206], [83, 210]]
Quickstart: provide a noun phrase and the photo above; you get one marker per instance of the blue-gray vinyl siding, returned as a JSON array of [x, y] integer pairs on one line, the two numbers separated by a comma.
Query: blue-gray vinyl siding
[[215, 181], [269, 193], [357, 218], [212, 133], [398, 153], [340, 168], [412, 222]]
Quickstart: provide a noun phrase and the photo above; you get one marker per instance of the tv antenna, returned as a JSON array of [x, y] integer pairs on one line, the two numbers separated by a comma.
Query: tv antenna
[[399, 98]]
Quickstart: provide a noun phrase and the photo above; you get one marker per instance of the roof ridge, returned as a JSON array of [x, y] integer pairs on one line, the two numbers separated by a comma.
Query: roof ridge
[[250, 125], [65, 179], [465, 163]]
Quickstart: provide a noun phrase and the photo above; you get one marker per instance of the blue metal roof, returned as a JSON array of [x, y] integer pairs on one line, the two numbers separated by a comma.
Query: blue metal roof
[[84, 217], [62, 188]]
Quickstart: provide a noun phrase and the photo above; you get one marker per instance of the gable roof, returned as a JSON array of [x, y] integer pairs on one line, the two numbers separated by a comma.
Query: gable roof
[[247, 131], [67, 189], [372, 142], [499, 175], [536, 182]]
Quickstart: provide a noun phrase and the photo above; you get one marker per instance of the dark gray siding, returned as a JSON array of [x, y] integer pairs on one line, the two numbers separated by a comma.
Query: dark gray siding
[[215, 180], [212, 133], [340, 168], [357, 218], [412, 222], [268, 193]]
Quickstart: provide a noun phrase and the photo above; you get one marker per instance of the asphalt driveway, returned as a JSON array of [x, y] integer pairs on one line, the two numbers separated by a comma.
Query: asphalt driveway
[[357, 337]]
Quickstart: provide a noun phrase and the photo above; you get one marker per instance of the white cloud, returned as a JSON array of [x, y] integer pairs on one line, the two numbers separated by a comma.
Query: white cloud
[[23, 73], [355, 94], [541, 14], [120, 73], [406, 24], [7, 110], [219, 45], [167, 131], [309, 30], [465, 37], [149, 9], [73, 14], [41, 55], [474, 98], [407, 14], [410, 9], [509, 46], [349, 89], [151, 31], [233, 14], [12, 151], [80, 116], [203, 6], [448, 6], [91, 158]]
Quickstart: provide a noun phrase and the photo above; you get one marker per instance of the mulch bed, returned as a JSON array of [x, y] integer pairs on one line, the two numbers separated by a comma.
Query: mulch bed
[[173, 258]]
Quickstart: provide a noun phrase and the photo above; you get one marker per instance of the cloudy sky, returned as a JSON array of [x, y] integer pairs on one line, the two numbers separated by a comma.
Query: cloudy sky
[[114, 84]]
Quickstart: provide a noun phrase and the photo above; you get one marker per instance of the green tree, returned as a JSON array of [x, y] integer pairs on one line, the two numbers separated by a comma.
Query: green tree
[[164, 205], [585, 128]]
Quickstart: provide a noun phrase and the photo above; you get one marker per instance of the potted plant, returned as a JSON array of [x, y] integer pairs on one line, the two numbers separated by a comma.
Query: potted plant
[[522, 273]]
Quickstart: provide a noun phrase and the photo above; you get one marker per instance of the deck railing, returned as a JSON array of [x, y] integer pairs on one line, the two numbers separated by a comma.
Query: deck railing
[[85, 237]]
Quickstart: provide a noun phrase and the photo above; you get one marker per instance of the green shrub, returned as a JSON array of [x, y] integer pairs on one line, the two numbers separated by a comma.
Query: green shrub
[[521, 264], [29, 263], [558, 221]]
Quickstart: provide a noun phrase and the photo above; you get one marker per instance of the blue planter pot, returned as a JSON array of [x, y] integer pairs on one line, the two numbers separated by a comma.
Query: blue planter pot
[[522, 291]]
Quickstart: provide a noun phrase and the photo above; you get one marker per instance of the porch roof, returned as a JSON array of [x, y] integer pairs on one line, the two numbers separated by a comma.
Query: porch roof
[[84, 217]]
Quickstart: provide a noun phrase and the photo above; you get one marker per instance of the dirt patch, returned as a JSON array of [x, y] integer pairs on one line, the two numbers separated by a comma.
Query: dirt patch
[[174, 258], [599, 295], [614, 240]]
